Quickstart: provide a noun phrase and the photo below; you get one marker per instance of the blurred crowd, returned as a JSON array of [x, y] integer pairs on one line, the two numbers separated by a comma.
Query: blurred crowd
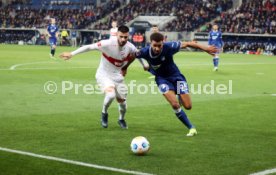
[[253, 16], [193, 13], [14, 36], [190, 13], [69, 18], [253, 46]]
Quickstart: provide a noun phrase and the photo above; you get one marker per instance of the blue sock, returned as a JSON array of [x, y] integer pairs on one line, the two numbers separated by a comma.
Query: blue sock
[[216, 62], [181, 115]]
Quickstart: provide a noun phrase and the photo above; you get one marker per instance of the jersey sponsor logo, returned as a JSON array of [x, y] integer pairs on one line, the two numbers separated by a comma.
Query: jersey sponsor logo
[[155, 66], [214, 37], [118, 64]]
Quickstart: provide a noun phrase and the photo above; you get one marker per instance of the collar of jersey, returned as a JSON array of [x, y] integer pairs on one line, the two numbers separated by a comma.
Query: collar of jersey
[[156, 55]]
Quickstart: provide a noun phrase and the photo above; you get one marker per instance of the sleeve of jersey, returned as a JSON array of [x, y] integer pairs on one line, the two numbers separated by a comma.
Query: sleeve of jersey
[[133, 49], [140, 54], [175, 46], [95, 46]]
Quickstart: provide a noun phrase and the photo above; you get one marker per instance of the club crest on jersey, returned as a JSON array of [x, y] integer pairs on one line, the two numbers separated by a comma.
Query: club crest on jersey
[[99, 44]]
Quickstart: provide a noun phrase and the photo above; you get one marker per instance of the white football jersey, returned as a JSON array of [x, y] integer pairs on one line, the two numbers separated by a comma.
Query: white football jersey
[[114, 57]]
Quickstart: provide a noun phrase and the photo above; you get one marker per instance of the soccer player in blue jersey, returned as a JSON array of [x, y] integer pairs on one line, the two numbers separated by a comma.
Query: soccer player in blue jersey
[[52, 32], [215, 39], [169, 79]]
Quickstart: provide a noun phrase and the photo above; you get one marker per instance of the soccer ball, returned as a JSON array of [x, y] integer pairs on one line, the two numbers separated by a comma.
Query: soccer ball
[[139, 145]]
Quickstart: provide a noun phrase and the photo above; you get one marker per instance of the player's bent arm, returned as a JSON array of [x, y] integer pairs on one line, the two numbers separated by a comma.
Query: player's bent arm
[[141, 61], [47, 34], [146, 67]]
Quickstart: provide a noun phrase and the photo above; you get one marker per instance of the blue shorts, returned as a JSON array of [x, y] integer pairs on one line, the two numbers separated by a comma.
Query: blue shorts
[[52, 41], [176, 83]]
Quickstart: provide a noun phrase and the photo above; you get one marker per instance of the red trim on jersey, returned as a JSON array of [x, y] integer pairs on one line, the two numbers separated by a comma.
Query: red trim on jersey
[[115, 62]]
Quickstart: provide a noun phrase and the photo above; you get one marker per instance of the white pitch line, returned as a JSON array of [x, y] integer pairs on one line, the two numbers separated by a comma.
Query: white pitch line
[[23, 64], [179, 65], [73, 162], [265, 172]]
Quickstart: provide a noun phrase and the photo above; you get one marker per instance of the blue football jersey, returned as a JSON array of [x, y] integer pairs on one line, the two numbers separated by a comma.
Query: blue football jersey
[[52, 29], [163, 64], [215, 38]]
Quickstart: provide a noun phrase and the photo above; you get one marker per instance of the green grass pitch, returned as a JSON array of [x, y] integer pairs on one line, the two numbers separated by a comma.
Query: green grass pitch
[[236, 132]]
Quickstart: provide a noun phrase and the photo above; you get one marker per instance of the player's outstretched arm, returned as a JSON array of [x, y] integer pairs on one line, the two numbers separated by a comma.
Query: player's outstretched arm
[[66, 55], [209, 49], [69, 55]]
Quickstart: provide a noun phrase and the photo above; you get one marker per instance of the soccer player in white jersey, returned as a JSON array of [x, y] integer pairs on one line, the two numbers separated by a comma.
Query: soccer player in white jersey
[[114, 29], [117, 54]]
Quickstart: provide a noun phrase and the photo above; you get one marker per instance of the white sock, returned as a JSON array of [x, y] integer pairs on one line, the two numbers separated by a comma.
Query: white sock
[[122, 110], [109, 97], [177, 110]]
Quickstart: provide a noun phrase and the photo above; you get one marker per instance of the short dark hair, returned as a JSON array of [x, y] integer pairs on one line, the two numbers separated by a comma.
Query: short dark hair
[[156, 37], [123, 29]]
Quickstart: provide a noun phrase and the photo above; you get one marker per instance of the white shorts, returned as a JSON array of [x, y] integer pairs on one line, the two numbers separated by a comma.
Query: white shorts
[[121, 89]]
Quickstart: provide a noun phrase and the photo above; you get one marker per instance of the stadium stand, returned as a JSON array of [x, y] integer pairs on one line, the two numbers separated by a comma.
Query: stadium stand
[[250, 46], [69, 16], [190, 13], [253, 16], [13, 37]]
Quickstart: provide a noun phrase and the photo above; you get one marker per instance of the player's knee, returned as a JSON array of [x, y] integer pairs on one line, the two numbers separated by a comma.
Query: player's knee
[[175, 105], [110, 94], [188, 106], [120, 100]]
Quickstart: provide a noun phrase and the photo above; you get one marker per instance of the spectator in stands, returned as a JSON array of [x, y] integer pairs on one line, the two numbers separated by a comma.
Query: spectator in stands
[[154, 28], [64, 38], [253, 16]]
